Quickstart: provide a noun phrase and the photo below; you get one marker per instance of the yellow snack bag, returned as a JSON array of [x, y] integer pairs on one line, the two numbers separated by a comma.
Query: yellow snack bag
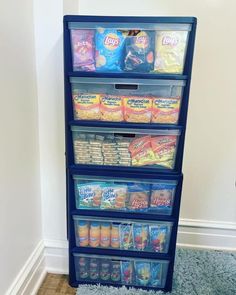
[[137, 109], [111, 108], [165, 110], [170, 51], [86, 106]]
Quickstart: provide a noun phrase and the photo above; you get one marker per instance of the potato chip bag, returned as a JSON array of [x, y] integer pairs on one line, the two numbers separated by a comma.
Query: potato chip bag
[[137, 109], [170, 51], [138, 196], [109, 49], [164, 148], [139, 52], [162, 197], [83, 50], [111, 108], [165, 110], [86, 106]]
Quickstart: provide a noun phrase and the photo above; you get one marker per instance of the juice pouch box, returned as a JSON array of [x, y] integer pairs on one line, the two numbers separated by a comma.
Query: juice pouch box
[[111, 108], [138, 196], [126, 240], [140, 236], [89, 195], [170, 51], [114, 196], [162, 196], [127, 272], [165, 110], [83, 50], [86, 106], [141, 151], [143, 273], [164, 148], [139, 52], [158, 235], [137, 109], [156, 274], [109, 49]]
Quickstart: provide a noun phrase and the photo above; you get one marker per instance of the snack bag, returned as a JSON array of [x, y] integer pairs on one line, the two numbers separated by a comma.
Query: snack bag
[[126, 241], [165, 110], [170, 51], [139, 52], [127, 272], [156, 274], [140, 236], [158, 235], [137, 109], [109, 48], [111, 108], [138, 196], [83, 50], [164, 148], [143, 272], [114, 196], [141, 151], [162, 195], [89, 195], [86, 106]]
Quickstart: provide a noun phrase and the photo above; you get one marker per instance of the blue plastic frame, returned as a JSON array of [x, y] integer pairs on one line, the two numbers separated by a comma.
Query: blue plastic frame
[[121, 172]]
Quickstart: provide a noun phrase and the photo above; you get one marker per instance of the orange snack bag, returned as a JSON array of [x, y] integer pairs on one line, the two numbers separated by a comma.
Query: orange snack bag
[[86, 106], [164, 148], [137, 109], [111, 108], [165, 110], [141, 151]]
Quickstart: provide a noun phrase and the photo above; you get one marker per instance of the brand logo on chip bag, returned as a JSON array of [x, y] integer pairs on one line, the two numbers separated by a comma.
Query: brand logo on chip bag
[[141, 40], [111, 41], [170, 40]]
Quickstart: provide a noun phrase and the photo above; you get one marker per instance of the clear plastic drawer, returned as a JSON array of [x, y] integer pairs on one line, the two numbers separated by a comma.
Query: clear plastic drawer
[[131, 48], [120, 147], [122, 194], [127, 100], [138, 235], [120, 270]]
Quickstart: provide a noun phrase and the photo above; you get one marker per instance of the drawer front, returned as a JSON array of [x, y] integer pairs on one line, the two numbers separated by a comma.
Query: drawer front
[[123, 271], [154, 196], [126, 47], [123, 147], [127, 100], [138, 235]]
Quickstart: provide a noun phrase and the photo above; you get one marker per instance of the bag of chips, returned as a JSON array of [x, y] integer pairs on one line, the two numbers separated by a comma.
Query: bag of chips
[[139, 52], [138, 196], [83, 50], [170, 51], [109, 49]]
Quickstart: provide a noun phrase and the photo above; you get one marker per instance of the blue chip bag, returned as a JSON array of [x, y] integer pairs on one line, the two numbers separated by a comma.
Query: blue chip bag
[[139, 52], [156, 272], [162, 196], [142, 273], [109, 49]]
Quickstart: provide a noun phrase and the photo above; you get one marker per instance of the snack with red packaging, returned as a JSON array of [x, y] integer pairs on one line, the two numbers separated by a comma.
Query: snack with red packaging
[[137, 109], [138, 196], [83, 50]]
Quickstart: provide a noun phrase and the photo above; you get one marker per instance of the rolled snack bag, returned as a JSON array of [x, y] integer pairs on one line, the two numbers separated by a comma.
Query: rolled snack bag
[[170, 51], [83, 50]]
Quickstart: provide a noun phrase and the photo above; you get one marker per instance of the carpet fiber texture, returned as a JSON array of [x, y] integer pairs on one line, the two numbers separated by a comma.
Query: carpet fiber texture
[[197, 272]]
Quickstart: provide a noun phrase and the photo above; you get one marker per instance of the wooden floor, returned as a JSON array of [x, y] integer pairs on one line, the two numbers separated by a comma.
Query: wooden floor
[[56, 285]]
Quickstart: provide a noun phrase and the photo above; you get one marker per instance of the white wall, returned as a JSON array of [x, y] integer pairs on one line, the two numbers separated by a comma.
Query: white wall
[[209, 161], [20, 206]]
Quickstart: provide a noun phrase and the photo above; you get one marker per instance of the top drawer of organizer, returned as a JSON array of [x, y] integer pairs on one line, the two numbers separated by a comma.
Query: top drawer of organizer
[[121, 47]]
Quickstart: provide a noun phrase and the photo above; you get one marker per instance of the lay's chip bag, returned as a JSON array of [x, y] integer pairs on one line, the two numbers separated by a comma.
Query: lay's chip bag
[[170, 51], [109, 49], [139, 52]]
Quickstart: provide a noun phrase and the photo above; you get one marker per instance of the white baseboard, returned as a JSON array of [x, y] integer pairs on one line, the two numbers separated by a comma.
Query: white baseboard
[[31, 275]]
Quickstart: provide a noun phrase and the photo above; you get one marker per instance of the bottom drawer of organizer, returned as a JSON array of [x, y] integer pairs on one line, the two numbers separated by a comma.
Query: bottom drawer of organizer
[[134, 235], [120, 270]]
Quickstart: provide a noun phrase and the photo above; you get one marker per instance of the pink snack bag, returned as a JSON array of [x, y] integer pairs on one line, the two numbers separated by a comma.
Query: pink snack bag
[[83, 50]]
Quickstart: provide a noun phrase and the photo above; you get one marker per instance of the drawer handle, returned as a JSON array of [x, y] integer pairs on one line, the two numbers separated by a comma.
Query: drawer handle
[[126, 86]]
